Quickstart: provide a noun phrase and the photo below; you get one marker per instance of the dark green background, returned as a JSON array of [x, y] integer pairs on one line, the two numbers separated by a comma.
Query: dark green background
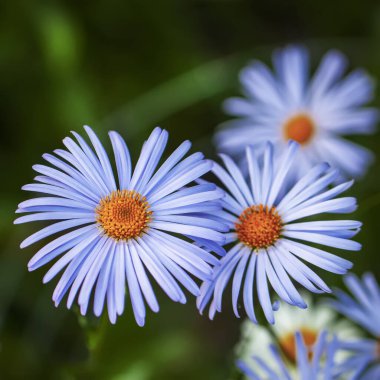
[[131, 65]]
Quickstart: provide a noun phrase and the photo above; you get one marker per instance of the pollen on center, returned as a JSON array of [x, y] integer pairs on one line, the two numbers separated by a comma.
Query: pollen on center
[[299, 128], [259, 226], [288, 343], [124, 214]]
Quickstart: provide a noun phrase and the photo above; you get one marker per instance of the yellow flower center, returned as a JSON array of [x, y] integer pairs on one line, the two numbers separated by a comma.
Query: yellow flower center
[[259, 226], [124, 214], [288, 344], [299, 128]]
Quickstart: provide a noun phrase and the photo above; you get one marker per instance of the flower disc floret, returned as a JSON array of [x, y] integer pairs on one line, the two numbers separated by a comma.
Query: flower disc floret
[[259, 226], [299, 128], [124, 214]]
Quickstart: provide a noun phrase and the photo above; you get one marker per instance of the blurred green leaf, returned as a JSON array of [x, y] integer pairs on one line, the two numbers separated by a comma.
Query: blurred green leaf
[[175, 95]]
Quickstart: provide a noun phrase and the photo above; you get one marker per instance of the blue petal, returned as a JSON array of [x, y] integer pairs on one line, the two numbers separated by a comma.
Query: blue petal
[[248, 288], [85, 267], [237, 281], [262, 287], [102, 284], [168, 165], [134, 289], [103, 158], [60, 244], [108, 249], [142, 278], [123, 160], [156, 263], [53, 229]]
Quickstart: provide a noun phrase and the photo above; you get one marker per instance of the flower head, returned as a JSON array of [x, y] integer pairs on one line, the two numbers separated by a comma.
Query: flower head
[[317, 364], [257, 340], [266, 229], [286, 105], [113, 234], [363, 309]]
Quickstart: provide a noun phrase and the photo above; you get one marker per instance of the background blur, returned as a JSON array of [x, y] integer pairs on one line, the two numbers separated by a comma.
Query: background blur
[[130, 65]]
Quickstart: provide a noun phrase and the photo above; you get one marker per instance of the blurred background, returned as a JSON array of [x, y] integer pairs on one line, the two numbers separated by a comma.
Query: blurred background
[[131, 65]]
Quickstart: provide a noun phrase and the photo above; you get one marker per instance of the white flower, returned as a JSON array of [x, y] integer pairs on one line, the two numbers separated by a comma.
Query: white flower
[[256, 340]]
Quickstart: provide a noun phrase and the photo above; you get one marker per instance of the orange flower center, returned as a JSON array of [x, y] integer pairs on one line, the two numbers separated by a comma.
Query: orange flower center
[[124, 214], [259, 226], [288, 344], [299, 128], [378, 348]]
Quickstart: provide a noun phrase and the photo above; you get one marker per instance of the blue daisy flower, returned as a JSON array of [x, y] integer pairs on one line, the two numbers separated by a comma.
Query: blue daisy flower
[[363, 309], [316, 364], [115, 232], [267, 229], [314, 112]]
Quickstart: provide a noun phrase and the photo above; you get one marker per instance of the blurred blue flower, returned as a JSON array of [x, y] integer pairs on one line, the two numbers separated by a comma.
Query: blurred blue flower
[[119, 232], [263, 229], [364, 309], [256, 339], [315, 365], [316, 113]]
